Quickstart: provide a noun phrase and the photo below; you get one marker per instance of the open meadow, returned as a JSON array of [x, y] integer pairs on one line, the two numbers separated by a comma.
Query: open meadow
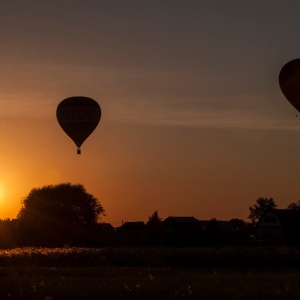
[[150, 273]]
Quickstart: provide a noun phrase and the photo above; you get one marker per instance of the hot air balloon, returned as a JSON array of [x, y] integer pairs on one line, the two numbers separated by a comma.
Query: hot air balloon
[[78, 117], [289, 81]]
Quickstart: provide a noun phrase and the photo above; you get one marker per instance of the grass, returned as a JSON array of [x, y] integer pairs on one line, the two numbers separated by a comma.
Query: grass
[[147, 283], [150, 273], [200, 257]]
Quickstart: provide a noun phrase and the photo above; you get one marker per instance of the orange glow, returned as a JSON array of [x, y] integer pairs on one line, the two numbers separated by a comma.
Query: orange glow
[[194, 122], [135, 170], [1, 192]]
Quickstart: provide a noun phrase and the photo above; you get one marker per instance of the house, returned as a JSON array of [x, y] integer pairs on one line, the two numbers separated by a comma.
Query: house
[[191, 231], [132, 233], [105, 234], [279, 224], [181, 225], [216, 232], [172, 219], [133, 226], [106, 227], [181, 230]]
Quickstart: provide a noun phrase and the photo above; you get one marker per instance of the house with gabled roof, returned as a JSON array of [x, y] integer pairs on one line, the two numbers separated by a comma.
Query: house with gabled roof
[[191, 231], [279, 224], [132, 233], [180, 220], [182, 230], [181, 224], [106, 227]]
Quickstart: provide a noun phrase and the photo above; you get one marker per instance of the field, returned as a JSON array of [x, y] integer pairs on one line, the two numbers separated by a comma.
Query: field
[[150, 273]]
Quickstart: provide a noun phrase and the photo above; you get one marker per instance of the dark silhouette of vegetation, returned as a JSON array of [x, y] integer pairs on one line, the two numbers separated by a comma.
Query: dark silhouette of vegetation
[[150, 273], [154, 219], [8, 233], [66, 215], [294, 206], [154, 229], [58, 214], [261, 206]]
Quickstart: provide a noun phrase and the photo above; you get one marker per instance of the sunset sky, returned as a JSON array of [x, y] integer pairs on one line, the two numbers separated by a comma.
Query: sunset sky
[[193, 119]]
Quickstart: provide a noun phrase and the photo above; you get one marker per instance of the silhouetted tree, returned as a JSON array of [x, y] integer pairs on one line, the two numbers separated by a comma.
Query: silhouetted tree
[[153, 219], [261, 206], [154, 226], [294, 206], [58, 214]]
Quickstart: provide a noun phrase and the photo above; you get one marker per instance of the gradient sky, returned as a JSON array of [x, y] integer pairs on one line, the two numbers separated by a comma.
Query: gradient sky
[[193, 119]]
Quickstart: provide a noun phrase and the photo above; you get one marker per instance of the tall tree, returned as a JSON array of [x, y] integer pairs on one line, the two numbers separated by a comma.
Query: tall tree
[[294, 206], [57, 212], [154, 232], [261, 206], [154, 219]]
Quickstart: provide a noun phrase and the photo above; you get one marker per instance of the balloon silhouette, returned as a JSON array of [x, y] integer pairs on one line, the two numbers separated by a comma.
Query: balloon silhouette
[[289, 82], [78, 117]]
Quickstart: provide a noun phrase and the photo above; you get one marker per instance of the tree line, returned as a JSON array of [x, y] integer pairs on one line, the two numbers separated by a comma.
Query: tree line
[[66, 214]]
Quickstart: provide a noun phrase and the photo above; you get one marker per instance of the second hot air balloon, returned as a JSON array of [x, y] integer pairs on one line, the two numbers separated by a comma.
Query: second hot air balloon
[[78, 116], [289, 82]]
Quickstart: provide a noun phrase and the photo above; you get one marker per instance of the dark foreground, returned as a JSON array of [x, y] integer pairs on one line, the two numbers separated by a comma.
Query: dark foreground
[[150, 273], [147, 283]]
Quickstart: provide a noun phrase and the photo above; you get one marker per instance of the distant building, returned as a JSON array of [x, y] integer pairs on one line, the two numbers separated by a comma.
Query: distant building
[[180, 221], [190, 231], [279, 224], [132, 233], [181, 230], [106, 227]]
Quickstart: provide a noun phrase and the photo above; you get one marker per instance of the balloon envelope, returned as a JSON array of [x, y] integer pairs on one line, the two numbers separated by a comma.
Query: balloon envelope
[[289, 81], [78, 117]]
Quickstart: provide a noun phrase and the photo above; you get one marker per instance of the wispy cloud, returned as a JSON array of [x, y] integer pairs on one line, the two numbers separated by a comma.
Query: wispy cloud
[[190, 117], [152, 97]]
